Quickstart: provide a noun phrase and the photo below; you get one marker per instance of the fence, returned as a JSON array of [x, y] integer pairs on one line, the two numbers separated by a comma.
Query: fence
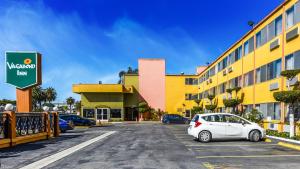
[[18, 128], [280, 126]]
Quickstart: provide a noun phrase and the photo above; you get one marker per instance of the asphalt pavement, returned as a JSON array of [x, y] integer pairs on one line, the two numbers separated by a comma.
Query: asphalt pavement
[[146, 146]]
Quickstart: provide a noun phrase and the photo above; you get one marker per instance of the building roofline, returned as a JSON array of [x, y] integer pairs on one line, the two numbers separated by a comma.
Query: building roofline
[[248, 33]]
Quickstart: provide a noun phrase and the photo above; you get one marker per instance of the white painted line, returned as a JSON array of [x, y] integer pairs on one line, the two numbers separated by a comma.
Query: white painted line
[[50, 159], [284, 139], [241, 145], [254, 156]]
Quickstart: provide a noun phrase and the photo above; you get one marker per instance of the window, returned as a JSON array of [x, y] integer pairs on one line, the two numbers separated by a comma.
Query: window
[[290, 17], [188, 113], [212, 71], [214, 118], [190, 96], [225, 62], [258, 39], [273, 111], [278, 26], [238, 53], [277, 68], [248, 78], [246, 48], [263, 73], [222, 88], [212, 91], [270, 71], [191, 81], [89, 113], [115, 113], [289, 62], [257, 77]]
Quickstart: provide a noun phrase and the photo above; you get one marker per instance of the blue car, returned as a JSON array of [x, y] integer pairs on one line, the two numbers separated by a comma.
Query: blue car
[[174, 119], [64, 125]]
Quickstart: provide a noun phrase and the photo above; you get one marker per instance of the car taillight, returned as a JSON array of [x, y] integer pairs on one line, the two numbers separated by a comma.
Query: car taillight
[[197, 123]]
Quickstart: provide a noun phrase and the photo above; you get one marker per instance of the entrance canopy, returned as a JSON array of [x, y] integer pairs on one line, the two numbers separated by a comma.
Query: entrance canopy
[[102, 88]]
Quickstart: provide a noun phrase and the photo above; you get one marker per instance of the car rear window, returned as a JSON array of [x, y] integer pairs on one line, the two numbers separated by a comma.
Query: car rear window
[[196, 118]]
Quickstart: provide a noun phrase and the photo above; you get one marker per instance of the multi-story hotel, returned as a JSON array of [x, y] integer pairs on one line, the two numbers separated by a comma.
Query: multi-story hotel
[[253, 63]]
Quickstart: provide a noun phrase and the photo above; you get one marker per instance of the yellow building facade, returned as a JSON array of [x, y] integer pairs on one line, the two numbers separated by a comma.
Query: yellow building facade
[[253, 63]]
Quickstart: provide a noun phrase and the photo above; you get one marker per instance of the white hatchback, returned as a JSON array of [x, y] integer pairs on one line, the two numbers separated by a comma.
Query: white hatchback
[[206, 127]]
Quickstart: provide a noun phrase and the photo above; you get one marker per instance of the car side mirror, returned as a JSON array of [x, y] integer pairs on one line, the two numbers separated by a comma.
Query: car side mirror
[[243, 123]]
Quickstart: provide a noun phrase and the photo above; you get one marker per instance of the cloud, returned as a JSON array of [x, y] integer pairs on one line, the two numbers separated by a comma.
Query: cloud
[[78, 52]]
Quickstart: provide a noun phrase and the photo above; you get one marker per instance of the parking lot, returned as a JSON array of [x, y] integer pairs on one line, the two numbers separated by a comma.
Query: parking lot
[[237, 154], [147, 146]]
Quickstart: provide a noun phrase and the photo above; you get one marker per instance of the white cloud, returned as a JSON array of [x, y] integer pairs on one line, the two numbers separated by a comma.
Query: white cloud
[[78, 52]]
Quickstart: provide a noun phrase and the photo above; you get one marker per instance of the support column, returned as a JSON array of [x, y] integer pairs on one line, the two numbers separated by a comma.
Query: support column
[[24, 100]]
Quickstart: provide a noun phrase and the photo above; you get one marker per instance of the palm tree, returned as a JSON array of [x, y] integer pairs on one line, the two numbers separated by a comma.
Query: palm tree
[[50, 94], [70, 102], [38, 96]]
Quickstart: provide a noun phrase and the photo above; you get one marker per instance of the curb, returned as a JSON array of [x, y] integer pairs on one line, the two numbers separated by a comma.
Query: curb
[[288, 143]]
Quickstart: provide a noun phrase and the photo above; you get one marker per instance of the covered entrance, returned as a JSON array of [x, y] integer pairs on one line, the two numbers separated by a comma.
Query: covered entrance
[[102, 114], [131, 114]]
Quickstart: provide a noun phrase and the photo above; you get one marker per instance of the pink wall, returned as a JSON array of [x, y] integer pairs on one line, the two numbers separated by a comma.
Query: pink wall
[[200, 69], [152, 82]]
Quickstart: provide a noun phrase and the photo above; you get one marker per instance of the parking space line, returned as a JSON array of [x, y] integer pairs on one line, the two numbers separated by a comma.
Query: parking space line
[[241, 145], [251, 156], [208, 165], [55, 157]]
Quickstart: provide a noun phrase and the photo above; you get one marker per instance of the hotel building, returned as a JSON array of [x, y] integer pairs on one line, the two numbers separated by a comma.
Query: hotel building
[[253, 63]]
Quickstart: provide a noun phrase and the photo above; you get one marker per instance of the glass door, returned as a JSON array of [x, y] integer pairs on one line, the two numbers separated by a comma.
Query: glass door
[[102, 114]]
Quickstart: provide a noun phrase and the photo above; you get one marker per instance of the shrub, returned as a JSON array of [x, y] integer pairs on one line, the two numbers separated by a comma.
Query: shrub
[[211, 107]]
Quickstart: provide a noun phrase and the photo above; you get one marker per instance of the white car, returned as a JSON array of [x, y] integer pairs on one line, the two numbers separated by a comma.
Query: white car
[[206, 127]]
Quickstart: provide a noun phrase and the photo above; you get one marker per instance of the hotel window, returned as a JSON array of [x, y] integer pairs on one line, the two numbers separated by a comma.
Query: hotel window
[[258, 39], [222, 88], [220, 66], [225, 62], [238, 53], [212, 91], [212, 71], [290, 18], [248, 78], [257, 77], [278, 26], [273, 110], [115, 113], [191, 81], [246, 48], [289, 62], [277, 68], [89, 113]]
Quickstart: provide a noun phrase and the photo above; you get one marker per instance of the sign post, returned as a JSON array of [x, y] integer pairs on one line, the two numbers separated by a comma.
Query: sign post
[[23, 70]]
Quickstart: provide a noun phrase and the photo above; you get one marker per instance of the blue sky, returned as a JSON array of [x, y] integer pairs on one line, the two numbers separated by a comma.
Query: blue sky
[[88, 41]]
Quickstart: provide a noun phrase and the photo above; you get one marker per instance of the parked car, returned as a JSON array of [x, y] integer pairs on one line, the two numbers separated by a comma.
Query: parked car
[[64, 125], [206, 127], [174, 119], [77, 120]]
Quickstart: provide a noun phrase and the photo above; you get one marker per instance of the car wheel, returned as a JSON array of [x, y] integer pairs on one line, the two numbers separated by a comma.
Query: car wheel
[[204, 136], [254, 136]]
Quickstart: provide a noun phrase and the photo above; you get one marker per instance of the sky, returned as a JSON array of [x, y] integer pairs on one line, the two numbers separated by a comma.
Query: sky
[[92, 40]]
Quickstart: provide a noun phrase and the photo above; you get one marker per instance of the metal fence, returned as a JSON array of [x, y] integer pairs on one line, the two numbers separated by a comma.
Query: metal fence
[[4, 122], [30, 123]]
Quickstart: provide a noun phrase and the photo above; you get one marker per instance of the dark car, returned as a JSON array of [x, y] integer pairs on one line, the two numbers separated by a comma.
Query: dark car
[[174, 119], [77, 120], [64, 125]]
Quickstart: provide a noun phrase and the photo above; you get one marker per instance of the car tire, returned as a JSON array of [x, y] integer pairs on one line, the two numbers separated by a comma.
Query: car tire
[[254, 136], [204, 136]]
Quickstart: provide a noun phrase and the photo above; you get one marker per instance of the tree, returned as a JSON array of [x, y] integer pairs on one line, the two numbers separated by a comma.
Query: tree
[[70, 102], [78, 106], [51, 94], [38, 96], [212, 105], [233, 102]]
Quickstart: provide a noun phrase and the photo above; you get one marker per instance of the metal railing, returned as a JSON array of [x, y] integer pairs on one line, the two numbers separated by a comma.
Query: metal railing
[[19, 128], [4, 123], [30, 123]]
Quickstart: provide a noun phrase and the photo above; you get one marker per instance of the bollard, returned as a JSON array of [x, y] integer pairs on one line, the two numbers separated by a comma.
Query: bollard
[[292, 127]]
